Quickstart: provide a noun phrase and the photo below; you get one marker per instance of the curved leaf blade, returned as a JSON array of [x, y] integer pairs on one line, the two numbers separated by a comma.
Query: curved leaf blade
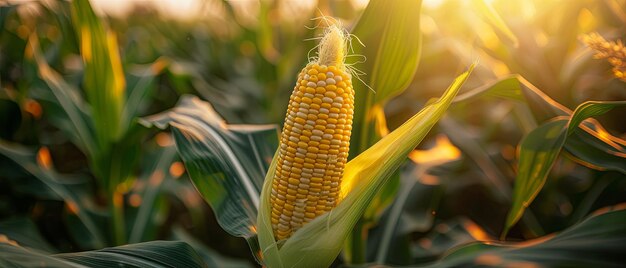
[[392, 46], [149, 254], [591, 109], [539, 149], [595, 242], [104, 80], [226, 163], [25, 233], [65, 186], [538, 152], [487, 11], [16, 256]]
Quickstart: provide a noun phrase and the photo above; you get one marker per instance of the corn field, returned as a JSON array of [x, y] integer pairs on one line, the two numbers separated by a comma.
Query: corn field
[[407, 133]]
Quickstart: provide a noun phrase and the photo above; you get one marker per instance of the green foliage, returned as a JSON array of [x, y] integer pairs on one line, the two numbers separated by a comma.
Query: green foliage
[[593, 242], [540, 134], [538, 152], [104, 81], [226, 163], [153, 254]]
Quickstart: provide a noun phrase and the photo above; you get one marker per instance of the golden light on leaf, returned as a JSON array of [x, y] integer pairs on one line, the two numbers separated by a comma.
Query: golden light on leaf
[[119, 83], [488, 260], [6, 240], [191, 198], [123, 188], [247, 48], [23, 31], [33, 107], [72, 207], [475, 231], [159, 65], [177, 169], [500, 69], [443, 151], [508, 152], [586, 20], [43, 158], [523, 264], [425, 243], [135, 200], [489, 38], [85, 44], [156, 178], [378, 113], [428, 179], [118, 199], [52, 32], [163, 139]]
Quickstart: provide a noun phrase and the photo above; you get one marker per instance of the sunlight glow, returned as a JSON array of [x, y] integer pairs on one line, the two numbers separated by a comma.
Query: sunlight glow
[[43, 158], [444, 151], [181, 9]]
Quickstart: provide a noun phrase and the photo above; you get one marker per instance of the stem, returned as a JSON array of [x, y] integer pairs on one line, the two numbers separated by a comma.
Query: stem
[[116, 204], [359, 241]]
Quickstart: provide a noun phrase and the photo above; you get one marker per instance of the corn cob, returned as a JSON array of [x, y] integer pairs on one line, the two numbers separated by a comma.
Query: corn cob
[[315, 140]]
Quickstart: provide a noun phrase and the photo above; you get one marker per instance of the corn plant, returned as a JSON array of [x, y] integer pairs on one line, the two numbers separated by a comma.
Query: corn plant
[[110, 200], [345, 176]]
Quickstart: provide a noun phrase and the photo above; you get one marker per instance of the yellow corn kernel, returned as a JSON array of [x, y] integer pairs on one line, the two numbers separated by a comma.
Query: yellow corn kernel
[[314, 141]]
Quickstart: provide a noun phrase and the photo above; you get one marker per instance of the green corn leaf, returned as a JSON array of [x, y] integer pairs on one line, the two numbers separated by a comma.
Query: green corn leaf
[[16, 256], [211, 257], [25, 232], [64, 96], [149, 254], [70, 188], [319, 242], [139, 88], [487, 11], [597, 151], [591, 145], [391, 46], [588, 143], [590, 109], [104, 78], [539, 150], [143, 222], [227, 163], [595, 242]]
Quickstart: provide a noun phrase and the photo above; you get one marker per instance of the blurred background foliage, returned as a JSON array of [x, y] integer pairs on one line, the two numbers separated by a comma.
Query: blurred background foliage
[[65, 176]]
